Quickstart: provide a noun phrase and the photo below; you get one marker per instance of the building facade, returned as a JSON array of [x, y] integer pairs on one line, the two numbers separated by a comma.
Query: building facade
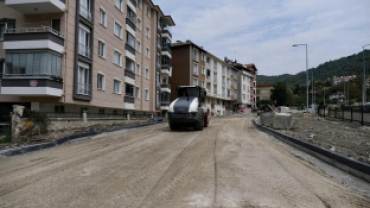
[[264, 91], [194, 66], [97, 56]]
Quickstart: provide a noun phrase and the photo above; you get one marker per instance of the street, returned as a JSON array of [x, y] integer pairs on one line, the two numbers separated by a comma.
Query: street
[[228, 164]]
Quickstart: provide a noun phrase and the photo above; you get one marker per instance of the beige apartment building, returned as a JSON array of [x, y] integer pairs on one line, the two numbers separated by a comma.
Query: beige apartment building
[[264, 91], [99, 56]]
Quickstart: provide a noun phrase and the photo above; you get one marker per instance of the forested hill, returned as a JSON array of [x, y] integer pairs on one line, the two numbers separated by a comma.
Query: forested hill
[[350, 65]]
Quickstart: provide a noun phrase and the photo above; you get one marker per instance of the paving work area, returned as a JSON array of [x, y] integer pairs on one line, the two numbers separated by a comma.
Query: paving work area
[[229, 164], [344, 137]]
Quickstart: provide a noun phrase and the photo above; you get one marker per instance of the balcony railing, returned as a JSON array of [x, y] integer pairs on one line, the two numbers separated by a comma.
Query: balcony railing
[[165, 103], [83, 88], [129, 98], [34, 30], [166, 86], [33, 76], [86, 13], [130, 73], [84, 50]]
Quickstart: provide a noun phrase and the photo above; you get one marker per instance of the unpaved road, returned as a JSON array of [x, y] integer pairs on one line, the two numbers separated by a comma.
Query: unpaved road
[[229, 164]]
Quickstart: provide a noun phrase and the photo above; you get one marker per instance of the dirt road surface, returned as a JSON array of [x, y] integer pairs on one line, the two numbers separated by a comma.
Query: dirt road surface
[[229, 164]]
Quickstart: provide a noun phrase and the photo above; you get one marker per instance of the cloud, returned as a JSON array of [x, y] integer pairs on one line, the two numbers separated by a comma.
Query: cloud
[[263, 32]]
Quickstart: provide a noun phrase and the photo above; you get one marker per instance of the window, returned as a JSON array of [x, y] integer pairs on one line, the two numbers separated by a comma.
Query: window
[[214, 64], [147, 54], [147, 73], [129, 90], [32, 63], [140, 3], [147, 32], [101, 111], [131, 15], [103, 17], [243, 96], [138, 46], [243, 87], [195, 82], [131, 40], [203, 84], [208, 74], [117, 29], [84, 41], [223, 92], [228, 92], [59, 109], [119, 5], [214, 89], [130, 65], [208, 60], [85, 9], [101, 49], [243, 78], [138, 24], [265, 91], [195, 68], [195, 55], [83, 79], [5, 26], [203, 56], [215, 77], [203, 71], [117, 58], [223, 70], [101, 81], [116, 86], [148, 11], [138, 69], [223, 80], [146, 94], [137, 92]]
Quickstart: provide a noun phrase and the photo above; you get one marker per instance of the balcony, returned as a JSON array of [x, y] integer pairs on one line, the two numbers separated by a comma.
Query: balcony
[[166, 71], [165, 105], [84, 50], [166, 33], [166, 88], [129, 76], [129, 101], [166, 50], [34, 38], [83, 88], [130, 21], [28, 7]]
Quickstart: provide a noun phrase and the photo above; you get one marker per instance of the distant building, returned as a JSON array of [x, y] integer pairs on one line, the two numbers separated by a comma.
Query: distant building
[[339, 96], [264, 91], [337, 80]]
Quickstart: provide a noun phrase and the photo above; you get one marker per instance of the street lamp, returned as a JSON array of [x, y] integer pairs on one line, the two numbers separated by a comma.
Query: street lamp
[[364, 86], [296, 45]]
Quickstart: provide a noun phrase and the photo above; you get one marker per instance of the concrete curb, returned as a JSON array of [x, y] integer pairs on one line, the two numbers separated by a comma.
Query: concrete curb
[[349, 165], [37, 147]]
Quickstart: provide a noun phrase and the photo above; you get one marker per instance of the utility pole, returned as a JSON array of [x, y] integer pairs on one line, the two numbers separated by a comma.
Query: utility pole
[[296, 45], [344, 90], [364, 85], [312, 102], [324, 97]]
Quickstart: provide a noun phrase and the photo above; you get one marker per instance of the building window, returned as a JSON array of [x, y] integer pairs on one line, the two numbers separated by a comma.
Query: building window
[[203, 71], [265, 91], [119, 5], [117, 29], [59, 109], [147, 73], [243, 87], [131, 40], [117, 86], [146, 94], [195, 69], [203, 56], [130, 65], [138, 24], [223, 69], [214, 64], [223, 80], [140, 3], [131, 15], [138, 46], [84, 41], [195, 82], [208, 74], [148, 11], [129, 90], [215, 77], [147, 54], [137, 92], [117, 58], [138, 69], [208, 60], [5, 26], [214, 89], [101, 49], [228, 92], [101, 81], [147, 32], [83, 79], [243, 96], [195, 55], [203, 84], [102, 17]]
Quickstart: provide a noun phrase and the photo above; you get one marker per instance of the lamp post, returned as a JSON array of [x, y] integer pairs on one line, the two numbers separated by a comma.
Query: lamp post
[[296, 45], [364, 86]]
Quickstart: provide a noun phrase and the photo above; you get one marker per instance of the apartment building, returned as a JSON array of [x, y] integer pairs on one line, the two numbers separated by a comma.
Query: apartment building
[[245, 84], [264, 91], [194, 66], [100, 56]]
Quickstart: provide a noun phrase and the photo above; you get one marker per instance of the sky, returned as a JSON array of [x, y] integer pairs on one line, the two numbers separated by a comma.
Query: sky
[[263, 31]]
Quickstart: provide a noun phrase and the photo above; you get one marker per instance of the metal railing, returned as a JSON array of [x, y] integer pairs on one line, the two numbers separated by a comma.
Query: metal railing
[[166, 86], [106, 116], [34, 30], [86, 13], [63, 115], [32, 76], [84, 50], [350, 113], [83, 88]]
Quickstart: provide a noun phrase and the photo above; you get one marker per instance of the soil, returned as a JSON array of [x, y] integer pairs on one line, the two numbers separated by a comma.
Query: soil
[[228, 164]]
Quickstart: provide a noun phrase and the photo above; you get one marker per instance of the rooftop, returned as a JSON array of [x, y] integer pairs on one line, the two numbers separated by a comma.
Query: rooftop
[[264, 84]]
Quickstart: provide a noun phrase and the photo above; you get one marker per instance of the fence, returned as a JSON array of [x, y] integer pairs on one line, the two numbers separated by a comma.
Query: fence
[[350, 113], [111, 116]]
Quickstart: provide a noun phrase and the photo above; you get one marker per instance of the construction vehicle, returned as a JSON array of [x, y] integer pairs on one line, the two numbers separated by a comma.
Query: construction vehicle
[[189, 109]]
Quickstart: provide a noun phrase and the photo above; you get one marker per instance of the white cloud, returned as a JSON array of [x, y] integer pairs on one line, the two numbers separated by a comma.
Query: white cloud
[[263, 32]]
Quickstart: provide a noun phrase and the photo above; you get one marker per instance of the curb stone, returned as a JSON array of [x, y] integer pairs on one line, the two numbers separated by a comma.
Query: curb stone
[[349, 165], [37, 147]]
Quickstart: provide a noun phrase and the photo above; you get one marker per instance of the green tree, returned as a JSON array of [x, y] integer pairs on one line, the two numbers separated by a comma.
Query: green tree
[[279, 94], [290, 97], [297, 89]]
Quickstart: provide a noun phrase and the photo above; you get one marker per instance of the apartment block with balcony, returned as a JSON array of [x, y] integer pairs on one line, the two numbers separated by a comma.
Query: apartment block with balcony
[[100, 56], [194, 66]]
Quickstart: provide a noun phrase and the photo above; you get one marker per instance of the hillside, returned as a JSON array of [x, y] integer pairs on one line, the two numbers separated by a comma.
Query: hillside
[[350, 65]]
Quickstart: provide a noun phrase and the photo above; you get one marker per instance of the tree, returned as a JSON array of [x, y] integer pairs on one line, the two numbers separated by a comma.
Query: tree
[[290, 97], [297, 89], [279, 94]]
